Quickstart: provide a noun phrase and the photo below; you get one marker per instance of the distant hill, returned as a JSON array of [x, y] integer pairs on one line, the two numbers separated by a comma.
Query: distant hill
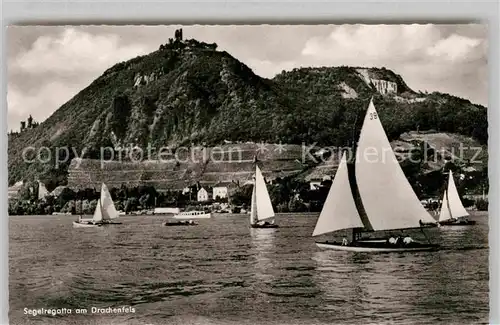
[[188, 93]]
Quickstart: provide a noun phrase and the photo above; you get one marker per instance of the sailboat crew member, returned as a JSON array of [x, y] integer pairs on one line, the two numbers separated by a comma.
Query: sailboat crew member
[[407, 240]]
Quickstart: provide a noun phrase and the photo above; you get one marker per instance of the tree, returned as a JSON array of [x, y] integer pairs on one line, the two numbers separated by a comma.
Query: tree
[[131, 204], [144, 200], [66, 195], [25, 193], [242, 195]]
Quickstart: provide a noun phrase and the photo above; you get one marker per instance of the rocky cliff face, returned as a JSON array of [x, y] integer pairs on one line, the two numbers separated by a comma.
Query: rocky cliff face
[[385, 86]]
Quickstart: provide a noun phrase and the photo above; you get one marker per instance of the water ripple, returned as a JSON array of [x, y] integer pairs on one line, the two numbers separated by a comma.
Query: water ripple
[[222, 272]]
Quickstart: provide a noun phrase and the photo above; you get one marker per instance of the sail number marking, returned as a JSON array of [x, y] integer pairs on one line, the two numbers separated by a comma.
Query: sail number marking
[[373, 116]]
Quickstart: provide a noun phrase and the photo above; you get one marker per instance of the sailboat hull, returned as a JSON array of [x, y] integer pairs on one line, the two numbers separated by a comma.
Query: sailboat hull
[[377, 246], [77, 224], [180, 223], [457, 223], [264, 226]]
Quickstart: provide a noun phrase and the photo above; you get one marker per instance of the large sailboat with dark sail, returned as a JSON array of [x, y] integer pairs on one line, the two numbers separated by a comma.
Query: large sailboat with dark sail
[[372, 194]]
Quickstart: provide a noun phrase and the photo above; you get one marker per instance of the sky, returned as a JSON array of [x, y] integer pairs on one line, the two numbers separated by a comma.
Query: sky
[[48, 65]]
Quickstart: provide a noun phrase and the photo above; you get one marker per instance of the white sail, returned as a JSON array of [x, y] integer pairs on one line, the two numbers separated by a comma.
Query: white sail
[[339, 211], [388, 198], [253, 207], [445, 214], [261, 201], [457, 210], [98, 212], [108, 207], [42, 191]]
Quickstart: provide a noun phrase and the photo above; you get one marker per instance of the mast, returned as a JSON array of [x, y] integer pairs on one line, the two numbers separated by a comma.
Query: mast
[[253, 205], [455, 206], [444, 213]]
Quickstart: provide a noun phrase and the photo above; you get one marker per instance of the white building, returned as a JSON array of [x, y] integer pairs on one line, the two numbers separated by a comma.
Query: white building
[[220, 191], [14, 190], [186, 190], [314, 185], [202, 195]]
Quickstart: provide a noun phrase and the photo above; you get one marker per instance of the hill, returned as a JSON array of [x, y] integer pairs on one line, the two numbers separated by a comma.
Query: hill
[[188, 93]]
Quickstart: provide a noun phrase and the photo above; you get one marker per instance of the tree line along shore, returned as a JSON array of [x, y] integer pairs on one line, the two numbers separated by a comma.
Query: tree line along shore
[[287, 195]]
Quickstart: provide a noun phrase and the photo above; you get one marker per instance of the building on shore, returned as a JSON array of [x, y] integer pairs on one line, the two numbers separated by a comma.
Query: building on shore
[[220, 191], [13, 191], [202, 195]]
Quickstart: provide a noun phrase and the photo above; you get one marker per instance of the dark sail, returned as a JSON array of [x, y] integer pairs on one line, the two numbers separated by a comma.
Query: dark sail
[[357, 197]]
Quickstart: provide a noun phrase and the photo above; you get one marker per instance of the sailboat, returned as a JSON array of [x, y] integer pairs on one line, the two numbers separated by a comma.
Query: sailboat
[[261, 213], [104, 213], [371, 195], [452, 211]]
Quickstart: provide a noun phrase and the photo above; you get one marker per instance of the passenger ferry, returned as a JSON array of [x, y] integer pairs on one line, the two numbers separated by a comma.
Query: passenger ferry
[[193, 215]]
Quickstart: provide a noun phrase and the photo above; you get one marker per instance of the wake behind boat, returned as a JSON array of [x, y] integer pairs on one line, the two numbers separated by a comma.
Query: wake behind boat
[[262, 212], [104, 214], [452, 211], [373, 195]]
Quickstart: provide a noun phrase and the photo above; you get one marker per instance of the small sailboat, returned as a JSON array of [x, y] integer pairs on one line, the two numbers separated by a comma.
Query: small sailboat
[[262, 212], [372, 195], [452, 211], [96, 221], [104, 214]]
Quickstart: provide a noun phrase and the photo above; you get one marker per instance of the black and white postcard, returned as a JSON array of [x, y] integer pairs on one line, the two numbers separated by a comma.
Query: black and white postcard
[[248, 175]]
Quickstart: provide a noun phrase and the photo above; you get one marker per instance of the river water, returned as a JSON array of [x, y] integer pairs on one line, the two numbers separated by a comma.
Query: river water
[[223, 272]]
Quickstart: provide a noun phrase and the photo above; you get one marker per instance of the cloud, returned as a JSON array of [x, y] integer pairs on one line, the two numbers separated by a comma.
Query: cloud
[[455, 47], [56, 66], [268, 69], [40, 104], [367, 43], [74, 50], [428, 57]]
